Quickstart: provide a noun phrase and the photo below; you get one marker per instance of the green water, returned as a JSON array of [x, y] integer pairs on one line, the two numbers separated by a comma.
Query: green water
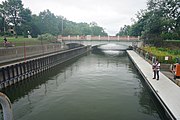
[[97, 86]]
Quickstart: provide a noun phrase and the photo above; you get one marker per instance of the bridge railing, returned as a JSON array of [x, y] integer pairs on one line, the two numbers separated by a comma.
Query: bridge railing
[[89, 37]]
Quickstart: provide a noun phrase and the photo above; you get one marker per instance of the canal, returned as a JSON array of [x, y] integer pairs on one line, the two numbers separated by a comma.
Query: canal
[[96, 86]]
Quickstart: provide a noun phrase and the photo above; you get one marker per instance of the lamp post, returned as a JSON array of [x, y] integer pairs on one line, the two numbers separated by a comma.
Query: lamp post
[[62, 27]]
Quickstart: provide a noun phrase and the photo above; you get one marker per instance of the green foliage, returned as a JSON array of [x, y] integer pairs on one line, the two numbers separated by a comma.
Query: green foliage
[[47, 37], [73, 28], [160, 21], [161, 52], [124, 31], [12, 11], [48, 23]]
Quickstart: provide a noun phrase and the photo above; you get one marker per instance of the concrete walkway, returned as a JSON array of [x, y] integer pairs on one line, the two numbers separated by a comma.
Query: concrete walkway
[[167, 92]]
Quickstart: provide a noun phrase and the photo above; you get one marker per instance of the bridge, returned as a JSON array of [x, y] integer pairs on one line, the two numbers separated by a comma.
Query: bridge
[[97, 41], [89, 37]]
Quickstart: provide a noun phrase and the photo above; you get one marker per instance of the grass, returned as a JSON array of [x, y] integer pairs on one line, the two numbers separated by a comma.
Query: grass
[[20, 41]]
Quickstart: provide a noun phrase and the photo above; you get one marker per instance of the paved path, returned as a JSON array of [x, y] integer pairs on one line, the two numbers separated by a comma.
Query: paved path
[[167, 92]]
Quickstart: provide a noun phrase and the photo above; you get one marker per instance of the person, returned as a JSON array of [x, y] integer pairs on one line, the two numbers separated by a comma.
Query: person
[[5, 41], [154, 70], [157, 69]]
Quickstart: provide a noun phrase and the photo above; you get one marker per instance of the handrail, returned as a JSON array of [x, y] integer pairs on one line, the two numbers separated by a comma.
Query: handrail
[[6, 106]]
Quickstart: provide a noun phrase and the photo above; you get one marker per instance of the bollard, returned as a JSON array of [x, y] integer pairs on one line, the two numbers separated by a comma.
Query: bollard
[[146, 56], [153, 59]]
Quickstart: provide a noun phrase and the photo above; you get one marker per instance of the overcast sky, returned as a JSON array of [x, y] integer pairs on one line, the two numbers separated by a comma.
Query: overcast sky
[[109, 14]]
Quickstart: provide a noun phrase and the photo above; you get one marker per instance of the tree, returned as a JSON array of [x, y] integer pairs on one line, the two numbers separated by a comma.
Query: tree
[[124, 31], [85, 29], [26, 22], [3, 19], [97, 30], [61, 24], [160, 21], [48, 23], [36, 22], [12, 10], [2, 23]]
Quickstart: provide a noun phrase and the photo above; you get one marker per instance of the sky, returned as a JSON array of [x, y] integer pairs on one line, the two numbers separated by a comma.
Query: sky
[[109, 14]]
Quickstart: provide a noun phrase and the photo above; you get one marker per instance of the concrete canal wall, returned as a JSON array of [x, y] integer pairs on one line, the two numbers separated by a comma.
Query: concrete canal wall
[[24, 52], [13, 73]]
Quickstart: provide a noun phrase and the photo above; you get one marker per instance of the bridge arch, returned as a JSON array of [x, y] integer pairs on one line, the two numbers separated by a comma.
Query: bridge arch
[[97, 43]]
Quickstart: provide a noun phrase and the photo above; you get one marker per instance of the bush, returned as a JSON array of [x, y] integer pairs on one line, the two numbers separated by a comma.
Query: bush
[[161, 53], [47, 37], [9, 34]]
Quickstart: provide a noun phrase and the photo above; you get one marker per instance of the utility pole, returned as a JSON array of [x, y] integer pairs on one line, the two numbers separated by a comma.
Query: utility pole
[[62, 27]]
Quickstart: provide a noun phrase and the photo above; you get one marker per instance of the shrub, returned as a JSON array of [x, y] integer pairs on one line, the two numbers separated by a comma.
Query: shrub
[[47, 37], [161, 53]]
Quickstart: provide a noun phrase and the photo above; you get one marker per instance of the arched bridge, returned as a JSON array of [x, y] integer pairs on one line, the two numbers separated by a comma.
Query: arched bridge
[[97, 41]]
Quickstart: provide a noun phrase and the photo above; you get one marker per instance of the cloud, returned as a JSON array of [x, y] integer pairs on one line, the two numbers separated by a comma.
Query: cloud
[[109, 14]]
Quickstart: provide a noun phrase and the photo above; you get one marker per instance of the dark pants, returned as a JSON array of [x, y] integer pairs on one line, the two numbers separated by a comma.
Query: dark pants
[[154, 71], [157, 72]]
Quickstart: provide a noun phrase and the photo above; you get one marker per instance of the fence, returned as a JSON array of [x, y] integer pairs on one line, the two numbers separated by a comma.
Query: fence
[[151, 57], [24, 52]]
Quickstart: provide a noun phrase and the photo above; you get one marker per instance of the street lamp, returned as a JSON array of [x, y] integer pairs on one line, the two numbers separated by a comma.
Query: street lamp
[[62, 27]]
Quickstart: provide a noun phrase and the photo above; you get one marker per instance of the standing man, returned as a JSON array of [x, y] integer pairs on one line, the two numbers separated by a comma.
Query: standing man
[[157, 68], [154, 69]]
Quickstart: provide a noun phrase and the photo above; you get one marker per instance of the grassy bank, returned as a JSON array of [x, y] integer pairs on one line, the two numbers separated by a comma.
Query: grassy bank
[[20, 41]]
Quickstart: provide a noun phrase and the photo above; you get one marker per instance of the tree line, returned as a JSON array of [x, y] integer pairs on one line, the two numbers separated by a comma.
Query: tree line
[[23, 22], [159, 21]]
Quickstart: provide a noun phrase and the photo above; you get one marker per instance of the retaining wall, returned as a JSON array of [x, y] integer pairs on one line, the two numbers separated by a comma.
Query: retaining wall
[[23, 52], [11, 74]]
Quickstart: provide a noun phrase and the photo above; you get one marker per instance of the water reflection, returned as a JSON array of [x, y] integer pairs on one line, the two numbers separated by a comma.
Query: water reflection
[[99, 86], [113, 47], [27, 86], [149, 104]]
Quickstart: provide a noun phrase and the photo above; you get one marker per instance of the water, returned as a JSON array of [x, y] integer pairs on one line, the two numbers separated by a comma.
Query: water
[[98, 86]]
